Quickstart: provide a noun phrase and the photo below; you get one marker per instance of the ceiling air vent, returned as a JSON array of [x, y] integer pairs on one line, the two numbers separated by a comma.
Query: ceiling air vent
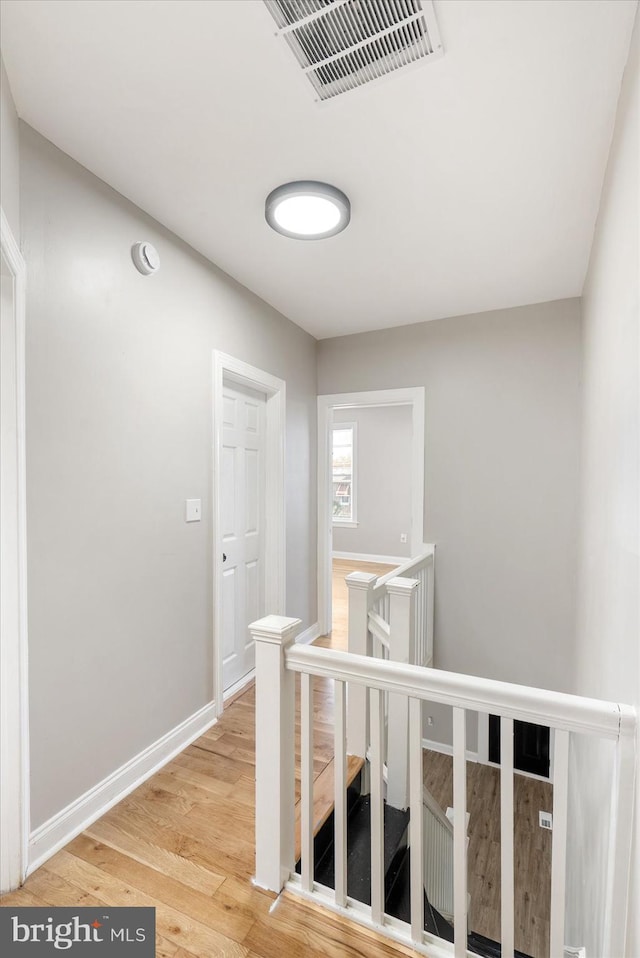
[[343, 44]]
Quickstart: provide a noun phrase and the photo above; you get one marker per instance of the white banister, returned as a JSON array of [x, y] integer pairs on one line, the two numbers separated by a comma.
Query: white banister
[[402, 623], [559, 842], [459, 833], [377, 807], [306, 779], [360, 586], [430, 610], [573, 713], [380, 628], [421, 568], [438, 856], [506, 837], [277, 660], [340, 795], [416, 820], [621, 842], [275, 738]]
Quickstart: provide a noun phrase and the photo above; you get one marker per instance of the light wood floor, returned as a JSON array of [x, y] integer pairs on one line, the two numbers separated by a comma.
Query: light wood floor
[[184, 843], [532, 849]]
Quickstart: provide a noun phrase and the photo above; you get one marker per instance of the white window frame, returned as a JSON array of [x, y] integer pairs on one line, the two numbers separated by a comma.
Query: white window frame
[[351, 523]]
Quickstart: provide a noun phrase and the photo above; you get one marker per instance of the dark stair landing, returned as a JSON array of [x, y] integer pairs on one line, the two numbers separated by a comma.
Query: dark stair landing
[[397, 858]]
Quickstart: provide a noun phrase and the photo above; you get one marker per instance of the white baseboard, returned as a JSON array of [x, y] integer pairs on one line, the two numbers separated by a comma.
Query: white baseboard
[[239, 685], [367, 557], [62, 827], [445, 749], [309, 635]]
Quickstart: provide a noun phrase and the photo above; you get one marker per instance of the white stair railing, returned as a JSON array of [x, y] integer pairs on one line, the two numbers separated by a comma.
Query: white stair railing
[[421, 568], [277, 659], [438, 856], [370, 633]]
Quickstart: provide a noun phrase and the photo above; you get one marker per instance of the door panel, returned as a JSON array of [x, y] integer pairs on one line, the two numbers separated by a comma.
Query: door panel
[[242, 521], [530, 746]]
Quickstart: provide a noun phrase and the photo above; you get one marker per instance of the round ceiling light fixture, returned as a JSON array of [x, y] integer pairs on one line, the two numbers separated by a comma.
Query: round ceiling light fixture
[[307, 209]]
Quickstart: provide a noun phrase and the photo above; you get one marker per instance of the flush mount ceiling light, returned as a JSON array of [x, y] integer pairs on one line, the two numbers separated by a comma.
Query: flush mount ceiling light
[[307, 209]]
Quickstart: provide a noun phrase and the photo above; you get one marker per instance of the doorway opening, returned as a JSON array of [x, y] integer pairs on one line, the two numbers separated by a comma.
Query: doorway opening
[[248, 514], [531, 747], [340, 503]]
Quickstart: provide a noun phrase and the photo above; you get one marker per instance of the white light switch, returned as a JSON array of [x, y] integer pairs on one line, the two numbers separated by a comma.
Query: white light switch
[[194, 510]]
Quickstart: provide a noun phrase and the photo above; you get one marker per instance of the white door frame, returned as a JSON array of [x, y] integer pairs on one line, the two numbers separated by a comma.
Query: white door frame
[[228, 369], [14, 699], [413, 397]]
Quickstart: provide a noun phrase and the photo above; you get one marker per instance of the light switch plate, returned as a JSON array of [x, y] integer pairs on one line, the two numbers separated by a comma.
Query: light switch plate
[[194, 510]]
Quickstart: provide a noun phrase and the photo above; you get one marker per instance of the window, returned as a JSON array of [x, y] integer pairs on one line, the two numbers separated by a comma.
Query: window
[[343, 455]]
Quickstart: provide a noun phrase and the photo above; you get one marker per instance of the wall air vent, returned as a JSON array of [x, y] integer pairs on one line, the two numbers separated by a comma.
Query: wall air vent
[[343, 44]]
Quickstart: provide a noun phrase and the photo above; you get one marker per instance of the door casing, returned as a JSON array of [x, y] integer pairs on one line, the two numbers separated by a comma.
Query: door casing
[[14, 677], [414, 397], [228, 369]]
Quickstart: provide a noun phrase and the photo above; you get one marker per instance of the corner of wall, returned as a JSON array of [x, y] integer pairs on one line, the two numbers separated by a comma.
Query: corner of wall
[[9, 155]]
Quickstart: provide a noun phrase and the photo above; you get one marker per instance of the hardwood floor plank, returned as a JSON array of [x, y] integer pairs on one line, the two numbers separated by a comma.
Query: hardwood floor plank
[[196, 904], [22, 898], [170, 923], [188, 872], [54, 890]]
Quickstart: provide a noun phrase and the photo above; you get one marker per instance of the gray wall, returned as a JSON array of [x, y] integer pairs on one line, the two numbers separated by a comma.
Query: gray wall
[[383, 480], [608, 662], [119, 435], [9, 156], [502, 441]]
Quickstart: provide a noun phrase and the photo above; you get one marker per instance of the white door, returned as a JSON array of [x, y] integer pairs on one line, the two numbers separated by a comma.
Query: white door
[[242, 516]]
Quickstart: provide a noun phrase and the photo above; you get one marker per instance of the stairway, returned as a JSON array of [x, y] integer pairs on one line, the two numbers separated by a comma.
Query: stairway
[[397, 859]]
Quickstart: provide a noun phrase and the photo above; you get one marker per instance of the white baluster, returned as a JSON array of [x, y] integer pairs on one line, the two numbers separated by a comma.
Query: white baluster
[[340, 766], [402, 593], [306, 779], [416, 822], [431, 568], [360, 586], [459, 833], [506, 836], [559, 841], [621, 841], [377, 808], [275, 740]]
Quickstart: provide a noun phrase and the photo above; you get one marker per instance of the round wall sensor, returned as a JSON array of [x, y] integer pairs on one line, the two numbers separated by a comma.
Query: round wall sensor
[[146, 258]]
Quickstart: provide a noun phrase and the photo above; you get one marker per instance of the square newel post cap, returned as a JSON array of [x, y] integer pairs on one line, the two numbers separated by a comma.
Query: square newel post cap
[[361, 580], [401, 586], [276, 629]]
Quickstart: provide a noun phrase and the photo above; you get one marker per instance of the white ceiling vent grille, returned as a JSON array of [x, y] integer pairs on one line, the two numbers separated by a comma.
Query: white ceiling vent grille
[[343, 44]]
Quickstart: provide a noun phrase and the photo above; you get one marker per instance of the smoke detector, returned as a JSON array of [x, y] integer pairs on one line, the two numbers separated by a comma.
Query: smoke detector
[[343, 44], [145, 258]]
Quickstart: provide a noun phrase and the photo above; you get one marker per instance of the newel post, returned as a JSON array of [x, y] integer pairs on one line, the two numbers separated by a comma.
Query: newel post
[[275, 746], [402, 619], [360, 586]]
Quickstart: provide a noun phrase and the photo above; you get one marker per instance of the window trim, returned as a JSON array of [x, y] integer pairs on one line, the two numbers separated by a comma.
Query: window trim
[[352, 522]]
